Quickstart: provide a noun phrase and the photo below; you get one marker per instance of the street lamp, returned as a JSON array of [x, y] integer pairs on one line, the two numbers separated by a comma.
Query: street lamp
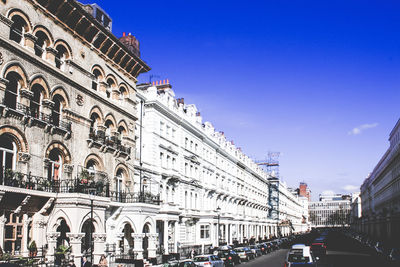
[[219, 230]]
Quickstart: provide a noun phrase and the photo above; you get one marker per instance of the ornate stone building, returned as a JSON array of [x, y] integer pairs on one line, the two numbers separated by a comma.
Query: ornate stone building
[[380, 195], [67, 127]]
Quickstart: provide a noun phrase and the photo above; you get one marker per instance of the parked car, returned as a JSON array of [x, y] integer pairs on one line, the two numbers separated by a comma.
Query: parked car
[[256, 250], [208, 261], [187, 263], [300, 255], [230, 257], [245, 253], [263, 247], [318, 248], [394, 256]]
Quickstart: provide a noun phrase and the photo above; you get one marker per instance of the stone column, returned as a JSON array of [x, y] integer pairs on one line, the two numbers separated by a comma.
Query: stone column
[[23, 159], [138, 249], [103, 87], [25, 96], [118, 249], [2, 226], [99, 245], [47, 106], [25, 233], [51, 55], [52, 242], [38, 232], [68, 168], [165, 237], [3, 86], [75, 240], [30, 41], [176, 235], [152, 245]]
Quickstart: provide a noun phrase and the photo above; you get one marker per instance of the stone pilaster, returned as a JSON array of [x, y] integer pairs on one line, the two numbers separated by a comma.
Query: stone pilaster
[[103, 87], [52, 243], [138, 249], [99, 245], [165, 237], [47, 106], [119, 250], [25, 96], [2, 227], [3, 86], [51, 55], [25, 233], [75, 240], [68, 169], [152, 238], [30, 41]]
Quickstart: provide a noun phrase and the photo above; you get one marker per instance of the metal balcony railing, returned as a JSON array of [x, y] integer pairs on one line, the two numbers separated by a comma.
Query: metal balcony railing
[[98, 187]]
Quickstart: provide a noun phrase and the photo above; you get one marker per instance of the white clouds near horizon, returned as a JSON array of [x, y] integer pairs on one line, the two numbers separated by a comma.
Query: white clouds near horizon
[[359, 129]]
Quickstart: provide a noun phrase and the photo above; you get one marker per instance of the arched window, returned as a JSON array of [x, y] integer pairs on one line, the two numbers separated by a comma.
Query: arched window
[[119, 178], [97, 78], [186, 199], [42, 42], [109, 126], [17, 29], [55, 165], [8, 155], [35, 104], [61, 56], [123, 93], [12, 90], [56, 114], [95, 119], [111, 85]]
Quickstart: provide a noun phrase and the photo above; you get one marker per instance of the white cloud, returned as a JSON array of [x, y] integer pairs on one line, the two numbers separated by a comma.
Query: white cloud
[[359, 129], [327, 193], [351, 188]]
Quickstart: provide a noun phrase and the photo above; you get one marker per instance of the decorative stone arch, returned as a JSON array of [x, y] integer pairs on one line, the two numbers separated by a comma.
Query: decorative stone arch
[[96, 159], [123, 89], [62, 149], [111, 77], [66, 46], [97, 222], [110, 117], [17, 12], [56, 219], [39, 80], [16, 135], [98, 111], [43, 29], [150, 222], [124, 125], [100, 71], [60, 91], [15, 66], [123, 222], [122, 166]]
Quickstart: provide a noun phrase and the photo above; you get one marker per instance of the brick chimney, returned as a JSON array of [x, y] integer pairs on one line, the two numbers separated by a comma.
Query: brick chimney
[[131, 43]]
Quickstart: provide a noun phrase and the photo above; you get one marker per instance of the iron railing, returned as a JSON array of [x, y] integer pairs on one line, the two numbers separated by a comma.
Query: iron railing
[[35, 114], [111, 141], [79, 185]]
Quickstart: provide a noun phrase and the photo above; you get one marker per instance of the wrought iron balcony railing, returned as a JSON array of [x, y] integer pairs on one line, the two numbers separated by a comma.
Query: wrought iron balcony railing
[[79, 185]]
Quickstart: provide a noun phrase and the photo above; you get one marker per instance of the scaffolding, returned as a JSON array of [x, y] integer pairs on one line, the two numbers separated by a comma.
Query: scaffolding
[[271, 166]]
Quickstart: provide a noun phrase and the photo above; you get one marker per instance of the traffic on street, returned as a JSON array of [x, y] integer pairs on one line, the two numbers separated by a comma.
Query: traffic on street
[[319, 248]]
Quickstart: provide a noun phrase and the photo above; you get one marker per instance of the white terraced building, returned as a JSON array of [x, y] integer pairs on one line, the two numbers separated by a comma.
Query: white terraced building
[[204, 179]]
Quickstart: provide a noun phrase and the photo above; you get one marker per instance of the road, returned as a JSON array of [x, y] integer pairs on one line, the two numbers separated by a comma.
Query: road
[[342, 252]]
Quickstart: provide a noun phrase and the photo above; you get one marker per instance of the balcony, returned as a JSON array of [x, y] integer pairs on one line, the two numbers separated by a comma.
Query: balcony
[[33, 116], [81, 185], [108, 143]]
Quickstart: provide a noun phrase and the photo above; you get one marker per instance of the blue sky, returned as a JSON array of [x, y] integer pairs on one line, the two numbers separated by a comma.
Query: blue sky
[[315, 80]]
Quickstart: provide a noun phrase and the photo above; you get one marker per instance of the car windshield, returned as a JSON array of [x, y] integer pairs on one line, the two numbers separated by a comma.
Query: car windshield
[[298, 258], [200, 259], [185, 264], [239, 250]]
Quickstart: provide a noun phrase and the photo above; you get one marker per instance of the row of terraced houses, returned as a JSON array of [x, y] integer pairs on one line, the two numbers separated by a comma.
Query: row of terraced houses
[[94, 161]]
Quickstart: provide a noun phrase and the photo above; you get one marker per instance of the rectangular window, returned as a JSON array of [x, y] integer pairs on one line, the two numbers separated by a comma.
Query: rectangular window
[[205, 231], [161, 128]]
